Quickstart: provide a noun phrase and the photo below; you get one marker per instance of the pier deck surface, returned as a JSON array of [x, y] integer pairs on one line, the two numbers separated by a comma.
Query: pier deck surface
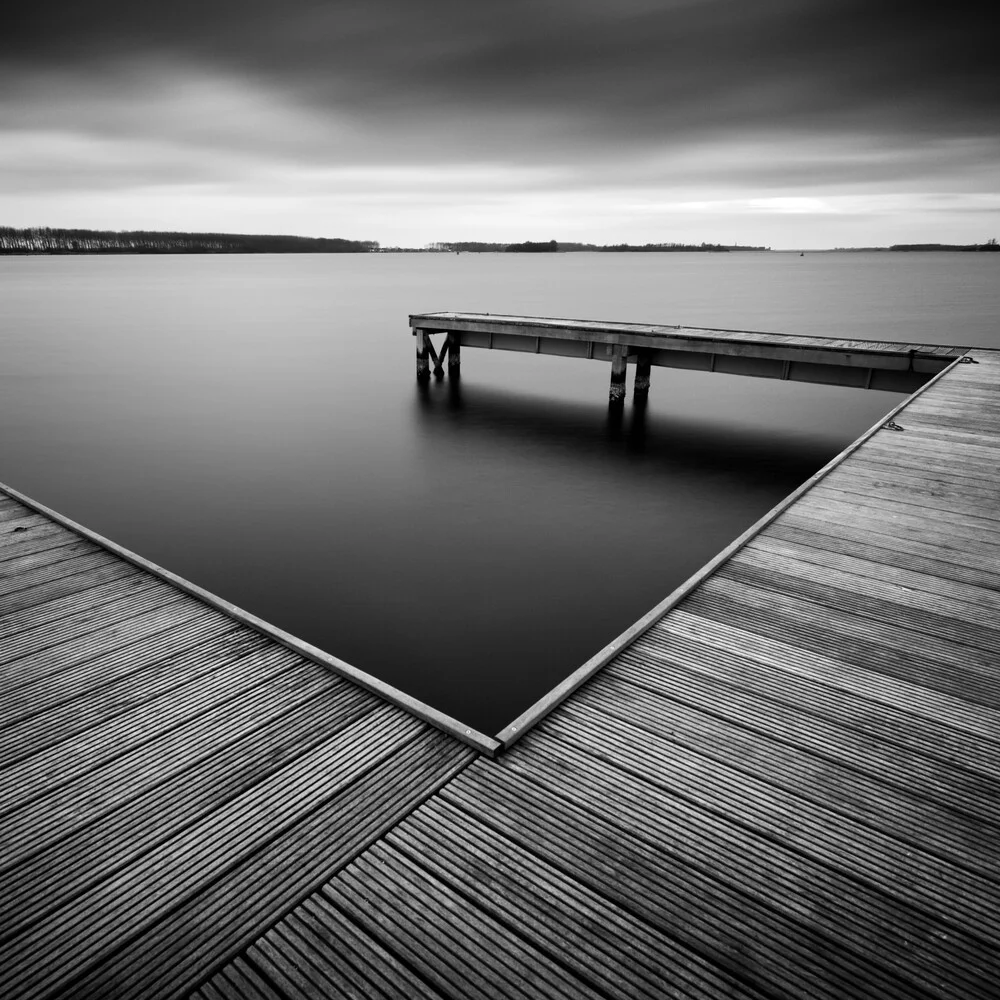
[[613, 332], [789, 786], [866, 364]]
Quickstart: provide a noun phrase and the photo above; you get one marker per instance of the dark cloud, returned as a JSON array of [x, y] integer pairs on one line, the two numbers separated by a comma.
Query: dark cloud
[[555, 73], [602, 119]]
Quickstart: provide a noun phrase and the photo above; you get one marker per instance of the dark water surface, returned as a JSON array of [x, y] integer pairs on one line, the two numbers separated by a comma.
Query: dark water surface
[[253, 424]]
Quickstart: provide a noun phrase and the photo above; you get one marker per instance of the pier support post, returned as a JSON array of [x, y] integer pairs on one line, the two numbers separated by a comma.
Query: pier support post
[[437, 357], [423, 358], [619, 361], [640, 392], [454, 355]]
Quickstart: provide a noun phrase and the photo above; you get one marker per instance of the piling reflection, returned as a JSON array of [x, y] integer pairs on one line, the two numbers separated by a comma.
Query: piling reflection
[[633, 438]]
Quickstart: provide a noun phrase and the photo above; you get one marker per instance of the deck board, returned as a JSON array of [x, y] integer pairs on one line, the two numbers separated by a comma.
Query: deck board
[[171, 780], [787, 786]]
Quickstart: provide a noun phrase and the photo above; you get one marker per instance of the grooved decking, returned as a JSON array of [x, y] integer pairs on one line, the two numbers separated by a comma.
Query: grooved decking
[[170, 780], [788, 787]]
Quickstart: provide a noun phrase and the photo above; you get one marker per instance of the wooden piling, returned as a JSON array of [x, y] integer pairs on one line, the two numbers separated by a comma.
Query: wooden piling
[[423, 358], [454, 346], [640, 392], [619, 362]]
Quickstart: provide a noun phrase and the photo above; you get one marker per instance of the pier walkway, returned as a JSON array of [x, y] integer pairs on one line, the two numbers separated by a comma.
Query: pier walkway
[[783, 783], [862, 364]]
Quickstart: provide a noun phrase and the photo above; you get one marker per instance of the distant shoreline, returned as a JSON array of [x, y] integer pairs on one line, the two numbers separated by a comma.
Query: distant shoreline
[[47, 242]]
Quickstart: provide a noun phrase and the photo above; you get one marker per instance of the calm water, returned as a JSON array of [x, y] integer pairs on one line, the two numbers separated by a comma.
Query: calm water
[[253, 424]]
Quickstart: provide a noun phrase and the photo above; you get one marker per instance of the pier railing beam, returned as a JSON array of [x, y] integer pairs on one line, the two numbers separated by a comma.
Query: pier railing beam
[[619, 363], [454, 348], [640, 392], [423, 358]]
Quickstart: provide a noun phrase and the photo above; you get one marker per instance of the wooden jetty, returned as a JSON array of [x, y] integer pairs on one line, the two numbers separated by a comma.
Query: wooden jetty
[[861, 364], [783, 782]]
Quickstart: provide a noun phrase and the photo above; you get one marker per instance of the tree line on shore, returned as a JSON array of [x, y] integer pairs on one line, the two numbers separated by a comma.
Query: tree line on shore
[[989, 245], [552, 246], [64, 241]]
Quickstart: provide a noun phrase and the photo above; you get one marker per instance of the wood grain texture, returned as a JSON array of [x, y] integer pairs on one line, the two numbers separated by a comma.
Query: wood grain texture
[[171, 780], [786, 784]]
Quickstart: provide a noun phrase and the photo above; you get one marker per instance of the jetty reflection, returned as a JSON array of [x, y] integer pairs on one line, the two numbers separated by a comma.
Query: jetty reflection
[[634, 440]]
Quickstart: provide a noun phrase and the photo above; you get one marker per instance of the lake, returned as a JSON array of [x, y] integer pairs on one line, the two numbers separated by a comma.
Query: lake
[[253, 424]]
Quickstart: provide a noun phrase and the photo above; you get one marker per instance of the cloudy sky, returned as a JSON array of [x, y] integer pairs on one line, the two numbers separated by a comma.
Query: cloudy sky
[[781, 122]]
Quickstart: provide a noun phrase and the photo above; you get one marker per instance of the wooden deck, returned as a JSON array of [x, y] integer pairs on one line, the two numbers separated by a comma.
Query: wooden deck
[[787, 785], [864, 364]]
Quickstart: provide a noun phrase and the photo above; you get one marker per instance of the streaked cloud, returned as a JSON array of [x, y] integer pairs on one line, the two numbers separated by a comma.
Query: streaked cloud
[[624, 117]]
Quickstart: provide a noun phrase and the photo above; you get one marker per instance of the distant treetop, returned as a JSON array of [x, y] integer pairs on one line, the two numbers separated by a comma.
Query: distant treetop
[[63, 241], [989, 245], [552, 246]]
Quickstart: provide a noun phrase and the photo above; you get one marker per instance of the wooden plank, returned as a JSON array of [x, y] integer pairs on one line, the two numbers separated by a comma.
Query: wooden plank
[[837, 635], [892, 550], [60, 638], [247, 982], [822, 732], [713, 859], [119, 664], [662, 657], [989, 446], [865, 619], [596, 938], [92, 925], [880, 860], [902, 470], [37, 817], [20, 563], [360, 959], [677, 899], [101, 570], [38, 585], [15, 544], [12, 511], [81, 602], [945, 612], [493, 962], [825, 774], [255, 749], [937, 503], [983, 539], [968, 402], [916, 450], [293, 976], [19, 677], [110, 699], [979, 721], [392, 775], [809, 547], [81, 777], [31, 571]]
